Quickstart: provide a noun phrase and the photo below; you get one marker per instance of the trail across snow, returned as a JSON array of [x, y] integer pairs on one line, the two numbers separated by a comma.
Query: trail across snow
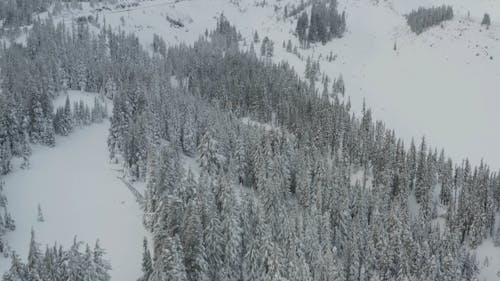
[[80, 194]]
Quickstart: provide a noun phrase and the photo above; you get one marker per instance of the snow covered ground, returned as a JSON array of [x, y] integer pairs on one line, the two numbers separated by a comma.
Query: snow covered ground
[[488, 257], [79, 194], [441, 84]]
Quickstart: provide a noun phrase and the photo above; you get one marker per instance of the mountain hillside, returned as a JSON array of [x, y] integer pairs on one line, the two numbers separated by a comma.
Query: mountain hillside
[[263, 140]]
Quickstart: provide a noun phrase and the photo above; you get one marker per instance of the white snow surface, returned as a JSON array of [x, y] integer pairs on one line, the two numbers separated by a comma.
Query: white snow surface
[[488, 257], [441, 84], [79, 194]]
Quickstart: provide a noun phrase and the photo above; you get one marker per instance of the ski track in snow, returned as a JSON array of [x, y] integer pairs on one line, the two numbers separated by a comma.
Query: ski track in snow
[[80, 194]]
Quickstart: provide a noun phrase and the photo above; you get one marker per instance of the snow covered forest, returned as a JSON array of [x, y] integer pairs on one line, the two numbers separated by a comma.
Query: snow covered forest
[[250, 171], [55, 263]]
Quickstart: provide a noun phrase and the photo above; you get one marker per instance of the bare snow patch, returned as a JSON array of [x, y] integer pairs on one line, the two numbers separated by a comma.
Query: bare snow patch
[[80, 195]]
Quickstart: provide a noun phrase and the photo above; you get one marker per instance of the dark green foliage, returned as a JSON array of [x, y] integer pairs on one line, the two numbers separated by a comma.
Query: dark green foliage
[[486, 20], [302, 25], [339, 85], [422, 18], [159, 45], [225, 34], [267, 47], [289, 46], [325, 23]]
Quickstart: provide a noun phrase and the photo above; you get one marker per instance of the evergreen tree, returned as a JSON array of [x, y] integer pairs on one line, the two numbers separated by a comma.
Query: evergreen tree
[[486, 20], [40, 217], [33, 267], [256, 37], [170, 266], [207, 149], [147, 263], [17, 271], [102, 266], [421, 181], [302, 25]]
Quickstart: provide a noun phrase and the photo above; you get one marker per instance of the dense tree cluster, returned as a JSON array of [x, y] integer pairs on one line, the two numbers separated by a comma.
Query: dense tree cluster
[[324, 23], [21, 12], [339, 86], [281, 203], [53, 60], [422, 18], [55, 263], [310, 191], [66, 119], [159, 45], [267, 47], [312, 70]]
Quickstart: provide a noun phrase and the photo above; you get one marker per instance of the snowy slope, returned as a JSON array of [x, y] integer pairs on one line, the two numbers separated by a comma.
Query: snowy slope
[[79, 194], [488, 257], [441, 84]]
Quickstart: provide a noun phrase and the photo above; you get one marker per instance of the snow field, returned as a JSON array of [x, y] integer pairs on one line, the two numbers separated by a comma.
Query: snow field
[[80, 195]]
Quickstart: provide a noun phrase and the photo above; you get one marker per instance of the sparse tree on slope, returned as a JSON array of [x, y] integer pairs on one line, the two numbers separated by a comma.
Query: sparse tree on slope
[[486, 20]]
